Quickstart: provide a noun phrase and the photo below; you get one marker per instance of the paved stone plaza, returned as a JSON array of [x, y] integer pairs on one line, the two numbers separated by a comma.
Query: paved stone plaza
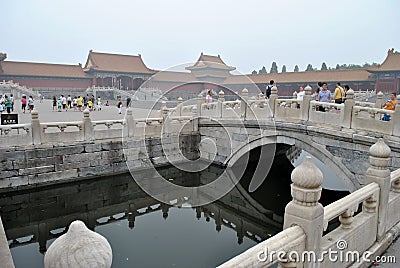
[[46, 113]]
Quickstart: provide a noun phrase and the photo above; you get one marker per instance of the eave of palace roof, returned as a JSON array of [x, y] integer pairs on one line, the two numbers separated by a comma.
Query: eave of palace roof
[[209, 61], [391, 63], [15, 68], [106, 62]]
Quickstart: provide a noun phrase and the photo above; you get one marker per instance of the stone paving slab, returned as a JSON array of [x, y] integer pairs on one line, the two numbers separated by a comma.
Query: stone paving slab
[[46, 114]]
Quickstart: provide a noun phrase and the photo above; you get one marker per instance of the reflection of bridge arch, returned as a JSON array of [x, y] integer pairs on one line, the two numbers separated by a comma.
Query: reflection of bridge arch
[[303, 142]]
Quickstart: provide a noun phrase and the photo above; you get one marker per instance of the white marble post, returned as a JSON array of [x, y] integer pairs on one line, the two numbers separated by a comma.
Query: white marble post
[[348, 109], [273, 98], [36, 129], [305, 105], [221, 99], [379, 100], [179, 107], [305, 210], [199, 103], [396, 118], [243, 103], [88, 130], [379, 172], [164, 114], [130, 122]]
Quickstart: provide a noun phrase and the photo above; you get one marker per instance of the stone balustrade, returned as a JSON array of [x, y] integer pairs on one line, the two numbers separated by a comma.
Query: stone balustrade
[[37, 132], [351, 116], [16, 89], [372, 211]]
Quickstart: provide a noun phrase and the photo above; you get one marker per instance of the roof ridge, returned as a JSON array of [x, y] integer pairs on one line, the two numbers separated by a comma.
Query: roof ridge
[[44, 63], [115, 54]]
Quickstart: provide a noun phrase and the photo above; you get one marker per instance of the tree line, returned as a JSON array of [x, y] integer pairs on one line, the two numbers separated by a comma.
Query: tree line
[[324, 67]]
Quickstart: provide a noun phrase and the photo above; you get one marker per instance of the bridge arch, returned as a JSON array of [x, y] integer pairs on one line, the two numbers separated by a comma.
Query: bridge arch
[[305, 143]]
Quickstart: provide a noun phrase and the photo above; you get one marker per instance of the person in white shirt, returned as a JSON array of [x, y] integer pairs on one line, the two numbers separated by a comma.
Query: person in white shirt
[[300, 94]]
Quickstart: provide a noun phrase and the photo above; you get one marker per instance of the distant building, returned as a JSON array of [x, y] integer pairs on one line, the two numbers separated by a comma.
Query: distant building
[[129, 72]]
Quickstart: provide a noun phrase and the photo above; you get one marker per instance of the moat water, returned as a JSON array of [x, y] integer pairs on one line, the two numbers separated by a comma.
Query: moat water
[[146, 233]]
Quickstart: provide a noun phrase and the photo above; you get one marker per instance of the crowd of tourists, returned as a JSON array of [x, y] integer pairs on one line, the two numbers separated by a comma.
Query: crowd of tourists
[[77, 103], [339, 95], [7, 103]]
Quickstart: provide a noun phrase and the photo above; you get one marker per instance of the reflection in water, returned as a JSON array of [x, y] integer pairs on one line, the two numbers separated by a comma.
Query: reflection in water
[[144, 232]]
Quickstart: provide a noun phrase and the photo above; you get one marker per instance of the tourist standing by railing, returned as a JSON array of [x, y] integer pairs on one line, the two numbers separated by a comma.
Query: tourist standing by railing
[[338, 94], [389, 105], [268, 89], [209, 96], [324, 95]]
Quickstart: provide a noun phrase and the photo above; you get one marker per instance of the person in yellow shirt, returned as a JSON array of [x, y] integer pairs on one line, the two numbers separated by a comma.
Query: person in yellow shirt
[[80, 103], [338, 95], [90, 105], [389, 105]]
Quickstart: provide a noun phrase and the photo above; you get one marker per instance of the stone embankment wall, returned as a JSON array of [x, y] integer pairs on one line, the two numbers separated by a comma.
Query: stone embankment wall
[[30, 166]]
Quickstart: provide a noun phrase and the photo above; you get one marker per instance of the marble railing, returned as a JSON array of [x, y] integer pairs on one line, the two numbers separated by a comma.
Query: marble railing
[[351, 116], [17, 89], [38, 132], [372, 211]]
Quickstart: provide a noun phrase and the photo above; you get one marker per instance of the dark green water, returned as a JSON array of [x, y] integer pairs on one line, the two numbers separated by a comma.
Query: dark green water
[[146, 233]]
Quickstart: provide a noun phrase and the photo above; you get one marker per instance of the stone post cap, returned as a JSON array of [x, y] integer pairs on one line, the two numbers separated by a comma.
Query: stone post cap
[[180, 100], [398, 98], [380, 149], [86, 113], [34, 114], [307, 175], [245, 90], [307, 90], [200, 96], [274, 90], [350, 94], [380, 94], [79, 247], [221, 93], [307, 180], [129, 111]]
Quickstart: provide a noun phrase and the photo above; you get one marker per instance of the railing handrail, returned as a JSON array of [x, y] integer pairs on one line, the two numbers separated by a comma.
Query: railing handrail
[[350, 201], [284, 241], [394, 176]]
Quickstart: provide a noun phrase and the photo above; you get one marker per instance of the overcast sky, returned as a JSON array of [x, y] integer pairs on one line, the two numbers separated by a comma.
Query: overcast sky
[[247, 34]]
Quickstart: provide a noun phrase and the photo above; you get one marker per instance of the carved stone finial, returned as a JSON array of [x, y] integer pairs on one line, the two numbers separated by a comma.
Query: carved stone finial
[[380, 150], [34, 114], [79, 247], [350, 94], [307, 90], [245, 90], [86, 113], [307, 180]]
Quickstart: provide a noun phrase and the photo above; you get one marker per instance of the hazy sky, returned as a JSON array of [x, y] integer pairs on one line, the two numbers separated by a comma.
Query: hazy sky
[[247, 34]]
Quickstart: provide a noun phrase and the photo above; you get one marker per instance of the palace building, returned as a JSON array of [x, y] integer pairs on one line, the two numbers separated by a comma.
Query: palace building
[[129, 72]]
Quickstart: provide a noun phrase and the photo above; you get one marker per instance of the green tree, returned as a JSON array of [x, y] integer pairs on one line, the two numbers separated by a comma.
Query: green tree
[[296, 68], [254, 72], [309, 68], [337, 66], [323, 67], [274, 68], [284, 69], [263, 70]]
